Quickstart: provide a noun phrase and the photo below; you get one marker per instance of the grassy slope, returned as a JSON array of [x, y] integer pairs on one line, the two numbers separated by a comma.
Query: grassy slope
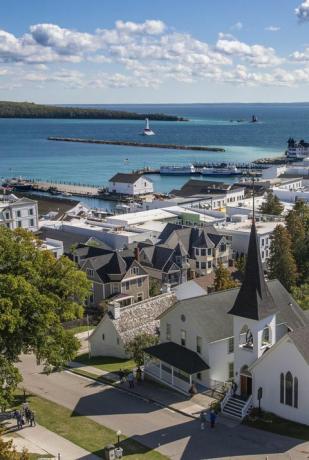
[[106, 363]]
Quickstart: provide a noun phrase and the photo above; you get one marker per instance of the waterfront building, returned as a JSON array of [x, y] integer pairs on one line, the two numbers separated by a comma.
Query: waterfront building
[[19, 213], [130, 184]]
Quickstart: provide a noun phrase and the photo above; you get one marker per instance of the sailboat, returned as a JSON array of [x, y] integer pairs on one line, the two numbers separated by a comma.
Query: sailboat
[[147, 131]]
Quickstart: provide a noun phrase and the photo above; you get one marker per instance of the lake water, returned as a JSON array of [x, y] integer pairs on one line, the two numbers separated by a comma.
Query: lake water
[[25, 150]]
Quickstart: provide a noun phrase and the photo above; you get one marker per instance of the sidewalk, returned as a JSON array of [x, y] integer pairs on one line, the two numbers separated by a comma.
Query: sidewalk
[[49, 442], [153, 392]]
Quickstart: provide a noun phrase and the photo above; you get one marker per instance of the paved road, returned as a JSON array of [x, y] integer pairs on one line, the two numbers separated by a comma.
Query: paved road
[[175, 435]]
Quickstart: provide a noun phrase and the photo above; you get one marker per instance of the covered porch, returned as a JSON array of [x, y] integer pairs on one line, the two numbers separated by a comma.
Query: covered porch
[[175, 366]]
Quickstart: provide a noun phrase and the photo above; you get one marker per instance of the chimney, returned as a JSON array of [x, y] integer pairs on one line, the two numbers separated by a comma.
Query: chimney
[[114, 309], [136, 253]]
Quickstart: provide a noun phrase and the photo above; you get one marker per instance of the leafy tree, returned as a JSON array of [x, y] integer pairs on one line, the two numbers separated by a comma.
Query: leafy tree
[[301, 295], [297, 224], [240, 265], [272, 205], [154, 287], [136, 346], [223, 279], [38, 292], [8, 452], [281, 261]]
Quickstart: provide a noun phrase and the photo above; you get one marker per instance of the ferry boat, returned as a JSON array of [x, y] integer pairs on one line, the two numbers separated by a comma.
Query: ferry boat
[[297, 150], [178, 170], [254, 119], [222, 171], [147, 131]]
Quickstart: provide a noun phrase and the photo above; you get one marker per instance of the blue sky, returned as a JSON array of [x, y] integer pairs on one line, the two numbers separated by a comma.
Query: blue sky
[[129, 51]]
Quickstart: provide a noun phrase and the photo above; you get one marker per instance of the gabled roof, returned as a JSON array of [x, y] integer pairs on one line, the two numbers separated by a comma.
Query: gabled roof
[[203, 241], [111, 266], [86, 251], [300, 338], [254, 300], [69, 239], [125, 178], [211, 311]]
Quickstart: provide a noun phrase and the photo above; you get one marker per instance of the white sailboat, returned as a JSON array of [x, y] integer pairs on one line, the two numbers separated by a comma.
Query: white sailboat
[[147, 131]]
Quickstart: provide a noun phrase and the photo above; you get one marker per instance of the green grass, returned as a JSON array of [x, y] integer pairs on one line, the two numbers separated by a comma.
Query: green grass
[[36, 456], [78, 329], [274, 424], [106, 363], [83, 431]]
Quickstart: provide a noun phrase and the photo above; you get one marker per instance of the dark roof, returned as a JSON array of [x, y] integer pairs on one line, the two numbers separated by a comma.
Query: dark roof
[[125, 178], [168, 230], [211, 311], [111, 266], [254, 299], [68, 238], [85, 251], [201, 187], [177, 356], [158, 255], [300, 337]]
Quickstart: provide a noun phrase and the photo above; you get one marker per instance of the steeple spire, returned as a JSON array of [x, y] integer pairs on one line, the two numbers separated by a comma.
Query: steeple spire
[[254, 299]]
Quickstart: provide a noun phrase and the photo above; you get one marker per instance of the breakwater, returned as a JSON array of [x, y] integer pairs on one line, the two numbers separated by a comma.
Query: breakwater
[[137, 144]]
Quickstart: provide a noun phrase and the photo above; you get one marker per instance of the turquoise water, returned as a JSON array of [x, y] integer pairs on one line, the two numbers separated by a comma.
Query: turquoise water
[[25, 150]]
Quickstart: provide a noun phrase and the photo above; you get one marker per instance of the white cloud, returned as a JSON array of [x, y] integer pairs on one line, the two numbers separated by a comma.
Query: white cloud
[[272, 28], [237, 26], [299, 56], [150, 27], [302, 11]]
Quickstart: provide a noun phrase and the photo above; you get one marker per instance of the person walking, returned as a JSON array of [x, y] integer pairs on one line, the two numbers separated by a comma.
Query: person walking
[[203, 419], [213, 417], [27, 415], [131, 380], [139, 375], [32, 418]]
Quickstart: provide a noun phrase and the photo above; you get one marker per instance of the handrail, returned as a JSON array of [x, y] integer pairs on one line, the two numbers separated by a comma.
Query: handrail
[[244, 410], [226, 398]]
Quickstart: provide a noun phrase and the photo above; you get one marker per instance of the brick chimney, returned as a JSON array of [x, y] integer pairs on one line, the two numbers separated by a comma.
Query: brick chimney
[[136, 253]]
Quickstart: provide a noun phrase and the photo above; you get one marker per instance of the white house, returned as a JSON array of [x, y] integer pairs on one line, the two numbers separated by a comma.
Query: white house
[[121, 324], [19, 213], [130, 184], [256, 336]]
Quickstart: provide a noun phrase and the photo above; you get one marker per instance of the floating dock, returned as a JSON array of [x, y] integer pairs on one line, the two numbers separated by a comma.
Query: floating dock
[[137, 144]]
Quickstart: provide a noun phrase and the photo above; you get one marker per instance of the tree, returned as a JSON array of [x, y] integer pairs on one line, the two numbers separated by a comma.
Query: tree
[[272, 205], [281, 262], [223, 279], [297, 224], [38, 292], [240, 265], [154, 287], [136, 346], [8, 452], [301, 295]]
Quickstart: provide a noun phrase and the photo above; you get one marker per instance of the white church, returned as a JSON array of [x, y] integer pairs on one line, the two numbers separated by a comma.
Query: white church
[[256, 336]]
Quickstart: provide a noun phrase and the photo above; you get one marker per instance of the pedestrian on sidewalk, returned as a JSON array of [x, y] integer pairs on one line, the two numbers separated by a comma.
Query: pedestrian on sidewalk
[[139, 375], [27, 415], [32, 418], [131, 380], [203, 419], [213, 417]]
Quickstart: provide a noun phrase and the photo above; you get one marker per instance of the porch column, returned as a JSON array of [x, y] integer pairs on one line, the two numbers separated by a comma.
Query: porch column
[[172, 375], [190, 379], [160, 370]]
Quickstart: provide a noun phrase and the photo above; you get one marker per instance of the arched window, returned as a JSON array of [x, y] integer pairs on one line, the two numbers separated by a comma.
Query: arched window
[[246, 337], [288, 389], [282, 388], [296, 392], [266, 336]]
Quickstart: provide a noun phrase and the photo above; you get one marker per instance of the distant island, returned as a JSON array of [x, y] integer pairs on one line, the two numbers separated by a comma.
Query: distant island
[[32, 110]]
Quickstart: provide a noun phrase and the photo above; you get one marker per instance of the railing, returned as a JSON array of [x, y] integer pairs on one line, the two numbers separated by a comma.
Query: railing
[[246, 407], [227, 396]]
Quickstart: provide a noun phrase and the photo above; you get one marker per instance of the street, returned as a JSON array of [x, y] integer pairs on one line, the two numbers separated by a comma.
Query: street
[[173, 434]]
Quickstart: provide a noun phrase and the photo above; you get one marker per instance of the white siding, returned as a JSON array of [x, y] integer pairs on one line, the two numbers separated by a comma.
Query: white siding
[[109, 346]]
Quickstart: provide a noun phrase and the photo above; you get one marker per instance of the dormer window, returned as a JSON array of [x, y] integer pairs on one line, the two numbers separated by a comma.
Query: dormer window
[[266, 336], [90, 272], [246, 338]]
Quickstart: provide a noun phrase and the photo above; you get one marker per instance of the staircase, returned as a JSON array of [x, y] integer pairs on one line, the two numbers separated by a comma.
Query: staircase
[[236, 408]]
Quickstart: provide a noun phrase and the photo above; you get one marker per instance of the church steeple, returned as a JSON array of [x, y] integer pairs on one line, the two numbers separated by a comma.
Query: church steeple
[[254, 300]]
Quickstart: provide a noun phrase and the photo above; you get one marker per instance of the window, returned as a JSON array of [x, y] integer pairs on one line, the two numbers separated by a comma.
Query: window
[[19, 224], [127, 285], [197, 264], [118, 341], [289, 389], [183, 318], [263, 254], [199, 375], [266, 336], [18, 213], [139, 282], [246, 338], [282, 388], [203, 265], [7, 215], [209, 252], [8, 225], [222, 247], [230, 345], [197, 252], [209, 264], [231, 370], [183, 336], [30, 212], [199, 344], [296, 392], [90, 272], [103, 336], [262, 242], [139, 296], [203, 252], [31, 222], [168, 331], [135, 270]]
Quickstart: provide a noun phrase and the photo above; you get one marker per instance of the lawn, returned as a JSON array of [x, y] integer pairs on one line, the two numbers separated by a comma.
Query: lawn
[[78, 329], [83, 431], [274, 424], [106, 363]]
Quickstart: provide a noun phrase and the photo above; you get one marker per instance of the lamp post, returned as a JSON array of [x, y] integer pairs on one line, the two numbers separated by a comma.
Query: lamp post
[[118, 437]]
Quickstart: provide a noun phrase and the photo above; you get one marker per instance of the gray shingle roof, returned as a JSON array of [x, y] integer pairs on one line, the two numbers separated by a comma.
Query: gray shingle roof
[[211, 311], [125, 178], [300, 338], [68, 238]]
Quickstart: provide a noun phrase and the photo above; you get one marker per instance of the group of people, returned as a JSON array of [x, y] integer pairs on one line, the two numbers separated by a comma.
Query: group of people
[[130, 377], [24, 416], [204, 419]]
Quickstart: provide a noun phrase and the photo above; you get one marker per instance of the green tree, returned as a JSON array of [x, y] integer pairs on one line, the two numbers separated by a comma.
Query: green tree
[[38, 292], [136, 346], [223, 279], [240, 265], [272, 205], [154, 287], [8, 452], [297, 224], [301, 295], [281, 262]]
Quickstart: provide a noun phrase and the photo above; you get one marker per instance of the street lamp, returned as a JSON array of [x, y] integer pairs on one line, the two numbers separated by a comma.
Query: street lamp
[[118, 436]]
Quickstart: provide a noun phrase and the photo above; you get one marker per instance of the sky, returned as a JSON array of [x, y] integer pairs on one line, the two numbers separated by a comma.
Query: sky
[[162, 51]]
